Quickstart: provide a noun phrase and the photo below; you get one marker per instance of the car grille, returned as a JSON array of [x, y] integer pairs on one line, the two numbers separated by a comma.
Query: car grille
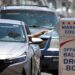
[[3, 65]]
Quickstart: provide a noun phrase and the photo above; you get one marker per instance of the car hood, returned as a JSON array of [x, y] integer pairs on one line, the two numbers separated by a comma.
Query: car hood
[[10, 50]]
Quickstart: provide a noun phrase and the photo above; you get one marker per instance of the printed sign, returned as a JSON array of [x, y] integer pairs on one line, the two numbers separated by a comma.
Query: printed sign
[[67, 56], [67, 47], [67, 28]]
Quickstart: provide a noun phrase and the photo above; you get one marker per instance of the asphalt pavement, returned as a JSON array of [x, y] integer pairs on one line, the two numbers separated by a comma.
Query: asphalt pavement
[[45, 74], [42, 73]]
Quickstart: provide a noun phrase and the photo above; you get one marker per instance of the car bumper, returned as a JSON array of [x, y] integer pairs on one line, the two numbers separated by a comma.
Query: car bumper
[[14, 66], [49, 62], [12, 69]]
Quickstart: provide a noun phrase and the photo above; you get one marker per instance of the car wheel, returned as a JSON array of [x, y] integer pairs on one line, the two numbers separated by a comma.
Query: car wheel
[[23, 72]]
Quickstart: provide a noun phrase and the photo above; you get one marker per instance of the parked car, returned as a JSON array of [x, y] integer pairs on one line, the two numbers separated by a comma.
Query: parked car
[[42, 22], [17, 55]]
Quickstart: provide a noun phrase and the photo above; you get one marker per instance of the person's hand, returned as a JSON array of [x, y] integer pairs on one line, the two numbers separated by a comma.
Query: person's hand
[[37, 34]]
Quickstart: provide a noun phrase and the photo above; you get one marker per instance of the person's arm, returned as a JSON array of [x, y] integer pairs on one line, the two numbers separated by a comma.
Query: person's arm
[[37, 34]]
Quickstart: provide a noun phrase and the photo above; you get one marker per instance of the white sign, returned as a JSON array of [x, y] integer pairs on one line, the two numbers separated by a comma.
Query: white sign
[[67, 48], [67, 28], [67, 56]]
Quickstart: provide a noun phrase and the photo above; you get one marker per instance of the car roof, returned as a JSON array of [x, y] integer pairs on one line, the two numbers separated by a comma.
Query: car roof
[[35, 8], [11, 21]]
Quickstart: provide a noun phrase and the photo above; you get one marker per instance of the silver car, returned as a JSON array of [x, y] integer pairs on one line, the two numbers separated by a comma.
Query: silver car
[[17, 55], [39, 19]]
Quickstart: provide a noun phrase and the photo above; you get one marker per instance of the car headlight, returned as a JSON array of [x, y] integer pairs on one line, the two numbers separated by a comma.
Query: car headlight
[[15, 60]]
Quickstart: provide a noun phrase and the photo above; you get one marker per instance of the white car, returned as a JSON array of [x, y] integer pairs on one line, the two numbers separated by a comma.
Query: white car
[[17, 55]]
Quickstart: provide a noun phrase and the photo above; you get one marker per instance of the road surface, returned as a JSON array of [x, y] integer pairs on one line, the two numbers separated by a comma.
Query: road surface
[[45, 74], [42, 73]]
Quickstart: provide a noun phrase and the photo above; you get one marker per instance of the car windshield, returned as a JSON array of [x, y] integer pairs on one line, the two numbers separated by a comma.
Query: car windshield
[[33, 18], [11, 33]]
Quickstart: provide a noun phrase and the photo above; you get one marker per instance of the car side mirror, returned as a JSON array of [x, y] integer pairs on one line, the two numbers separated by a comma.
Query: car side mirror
[[36, 40]]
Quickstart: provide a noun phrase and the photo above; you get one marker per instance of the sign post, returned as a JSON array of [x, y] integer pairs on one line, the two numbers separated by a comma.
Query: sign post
[[67, 47]]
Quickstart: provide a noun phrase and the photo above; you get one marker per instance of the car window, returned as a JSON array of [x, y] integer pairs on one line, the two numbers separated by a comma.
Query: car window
[[12, 33]]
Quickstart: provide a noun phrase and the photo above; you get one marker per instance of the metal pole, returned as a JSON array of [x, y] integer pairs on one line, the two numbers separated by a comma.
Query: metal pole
[[68, 6]]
